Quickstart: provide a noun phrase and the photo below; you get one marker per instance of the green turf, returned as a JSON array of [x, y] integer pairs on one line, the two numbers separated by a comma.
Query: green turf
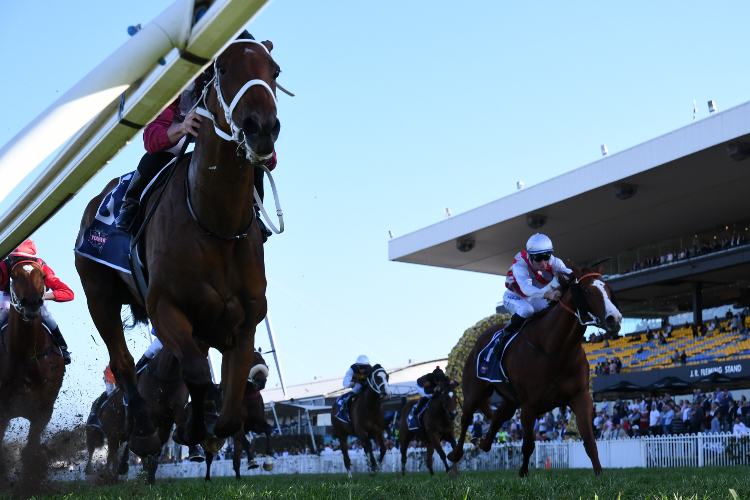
[[672, 484]]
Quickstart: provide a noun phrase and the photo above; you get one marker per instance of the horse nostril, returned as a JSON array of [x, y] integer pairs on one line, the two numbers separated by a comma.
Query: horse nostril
[[612, 324], [40, 301], [251, 127]]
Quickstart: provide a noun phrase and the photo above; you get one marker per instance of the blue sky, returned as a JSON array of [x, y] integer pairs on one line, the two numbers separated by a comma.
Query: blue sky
[[402, 109]]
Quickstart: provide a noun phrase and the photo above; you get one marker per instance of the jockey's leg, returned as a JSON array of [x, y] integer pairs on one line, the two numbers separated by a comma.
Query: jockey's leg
[[150, 353], [4, 308], [57, 337], [521, 310], [149, 166], [259, 173]]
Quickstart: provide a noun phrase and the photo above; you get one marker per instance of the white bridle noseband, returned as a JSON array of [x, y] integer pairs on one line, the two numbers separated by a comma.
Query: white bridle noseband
[[238, 136], [378, 388]]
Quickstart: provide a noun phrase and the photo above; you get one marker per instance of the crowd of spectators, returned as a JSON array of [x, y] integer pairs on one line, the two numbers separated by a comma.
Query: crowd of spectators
[[710, 413], [609, 367], [705, 247]]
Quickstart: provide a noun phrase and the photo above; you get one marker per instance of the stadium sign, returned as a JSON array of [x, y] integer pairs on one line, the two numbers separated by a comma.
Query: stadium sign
[[731, 368]]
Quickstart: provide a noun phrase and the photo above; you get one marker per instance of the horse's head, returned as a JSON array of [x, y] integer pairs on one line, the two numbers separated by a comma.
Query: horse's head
[[446, 391], [27, 289], [377, 379], [593, 296], [245, 82], [258, 373]]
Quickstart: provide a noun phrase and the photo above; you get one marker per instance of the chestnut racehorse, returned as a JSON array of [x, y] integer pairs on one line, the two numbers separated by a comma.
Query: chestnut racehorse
[[437, 421], [366, 414], [202, 250], [546, 366], [31, 366]]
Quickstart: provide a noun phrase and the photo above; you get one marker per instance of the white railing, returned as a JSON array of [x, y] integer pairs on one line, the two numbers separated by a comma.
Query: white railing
[[658, 451]]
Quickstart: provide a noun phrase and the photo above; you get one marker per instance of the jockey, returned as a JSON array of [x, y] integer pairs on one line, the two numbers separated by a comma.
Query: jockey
[[163, 139], [426, 385], [356, 375], [56, 290], [530, 272], [151, 351]]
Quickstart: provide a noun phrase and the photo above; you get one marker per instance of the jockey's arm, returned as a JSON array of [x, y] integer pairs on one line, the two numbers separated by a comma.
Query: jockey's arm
[[347, 382], [558, 267], [59, 291]]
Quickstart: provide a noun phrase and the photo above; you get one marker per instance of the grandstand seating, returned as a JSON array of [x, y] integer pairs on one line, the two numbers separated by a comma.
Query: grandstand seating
[[715, 346]]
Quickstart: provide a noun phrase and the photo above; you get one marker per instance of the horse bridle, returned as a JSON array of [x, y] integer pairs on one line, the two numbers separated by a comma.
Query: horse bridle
[[445, 408], [378, 388], [15, 302], [237, 137], [595, 320]]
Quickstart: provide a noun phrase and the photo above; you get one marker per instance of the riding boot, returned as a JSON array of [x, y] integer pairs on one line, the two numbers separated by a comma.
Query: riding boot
[[131, 202], [420, 405], [510, 329], [93, 420], [141, 363], [58, 339], [264, 231]]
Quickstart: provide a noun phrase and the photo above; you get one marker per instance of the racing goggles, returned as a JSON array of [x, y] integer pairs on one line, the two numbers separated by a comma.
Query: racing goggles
[[540, 257]]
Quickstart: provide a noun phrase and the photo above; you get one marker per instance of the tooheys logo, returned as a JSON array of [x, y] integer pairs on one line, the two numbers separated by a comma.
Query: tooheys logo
[[97, 239], [483, 368]]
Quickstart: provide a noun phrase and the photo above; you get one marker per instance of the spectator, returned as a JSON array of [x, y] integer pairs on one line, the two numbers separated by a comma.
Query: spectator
[[683, 358], [696, 418], [654, 420], [716, 422], [679, 425], [476, 431], [739, 429], [667, 418]]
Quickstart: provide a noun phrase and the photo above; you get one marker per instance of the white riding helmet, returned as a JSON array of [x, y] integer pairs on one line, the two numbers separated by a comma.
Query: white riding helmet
[[363, 360], [539, 243]]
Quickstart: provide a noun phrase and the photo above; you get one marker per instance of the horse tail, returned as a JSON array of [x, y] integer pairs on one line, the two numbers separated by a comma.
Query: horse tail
[[138, 316]]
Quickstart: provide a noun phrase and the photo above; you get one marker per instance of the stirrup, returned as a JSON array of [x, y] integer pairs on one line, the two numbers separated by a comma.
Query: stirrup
[[66, 355], [127, 216]]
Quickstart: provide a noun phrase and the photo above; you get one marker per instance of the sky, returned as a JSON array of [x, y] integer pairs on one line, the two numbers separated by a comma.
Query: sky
[[402, 109]]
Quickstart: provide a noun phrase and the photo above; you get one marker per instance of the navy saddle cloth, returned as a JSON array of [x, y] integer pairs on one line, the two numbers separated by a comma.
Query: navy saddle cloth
[[102, 241], [342, 405], [488, 366], [413, 419]]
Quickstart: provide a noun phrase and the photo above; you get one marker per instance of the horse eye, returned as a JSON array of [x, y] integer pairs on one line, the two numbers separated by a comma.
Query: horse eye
[[222, 70], [585, 291], [276, 74]]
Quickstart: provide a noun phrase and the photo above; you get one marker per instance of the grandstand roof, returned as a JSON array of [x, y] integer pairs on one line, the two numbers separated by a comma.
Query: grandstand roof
[[686, 182]]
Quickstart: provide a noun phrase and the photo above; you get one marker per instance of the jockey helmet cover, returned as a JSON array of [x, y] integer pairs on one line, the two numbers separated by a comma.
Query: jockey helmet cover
[[363, 360], [25, 249], [539, 243]]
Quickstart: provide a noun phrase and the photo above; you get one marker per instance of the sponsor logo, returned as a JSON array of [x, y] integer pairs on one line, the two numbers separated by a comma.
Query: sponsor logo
[[97, 239], [483, 368]]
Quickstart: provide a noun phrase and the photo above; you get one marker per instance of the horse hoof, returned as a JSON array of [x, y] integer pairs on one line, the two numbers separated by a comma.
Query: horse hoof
[[123, 468], [252, 465], [523, 473], [453, 471], [349, 473], [196, 458], [89, 470], [144, 446], [373, 473], [268, 465]]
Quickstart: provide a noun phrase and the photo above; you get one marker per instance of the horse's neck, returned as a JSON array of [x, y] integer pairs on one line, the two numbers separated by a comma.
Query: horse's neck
[[371, 398], [563, 337], [221, 184], [26, 339]]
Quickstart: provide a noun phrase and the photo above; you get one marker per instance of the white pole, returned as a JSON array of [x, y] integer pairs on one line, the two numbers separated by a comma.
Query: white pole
[[312, 436], [273, 408], [93, 93], [275, 349]]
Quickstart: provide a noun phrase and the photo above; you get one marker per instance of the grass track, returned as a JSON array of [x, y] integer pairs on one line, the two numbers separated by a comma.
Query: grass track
[[661, 484]]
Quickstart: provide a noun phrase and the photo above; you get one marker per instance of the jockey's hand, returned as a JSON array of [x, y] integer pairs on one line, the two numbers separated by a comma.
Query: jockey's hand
[[553, 295], [190, 125], [49, 296]]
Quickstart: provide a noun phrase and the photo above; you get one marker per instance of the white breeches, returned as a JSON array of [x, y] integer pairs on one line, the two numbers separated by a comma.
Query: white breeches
[[47, 318], [153, 349], [109, 387], [523, 306]]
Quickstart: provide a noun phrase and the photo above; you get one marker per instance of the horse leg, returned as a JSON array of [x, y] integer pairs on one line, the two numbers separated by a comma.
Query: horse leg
[[238, 363], [33, 458], [4, 421], [471, 403], [403, 438], [504, 412], [94, 440], [124, 455], [106, 316], [341, 436], [237, 456], [176, 333], [430, 452], [583, 407], [441, 452], [527, 422], [381, 443], [151, 464], [209, 461], [370, 453]]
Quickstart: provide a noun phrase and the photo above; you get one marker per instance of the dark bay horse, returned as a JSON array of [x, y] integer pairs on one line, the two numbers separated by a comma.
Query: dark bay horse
[[166, 395], [366, 413], [253, 418], [437, 420], [207, 287], [546, 366], [31, 366]]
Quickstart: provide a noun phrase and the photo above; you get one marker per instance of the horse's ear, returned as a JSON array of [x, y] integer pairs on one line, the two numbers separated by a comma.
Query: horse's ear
[[268, 44], [598, 268], [576, 270]]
